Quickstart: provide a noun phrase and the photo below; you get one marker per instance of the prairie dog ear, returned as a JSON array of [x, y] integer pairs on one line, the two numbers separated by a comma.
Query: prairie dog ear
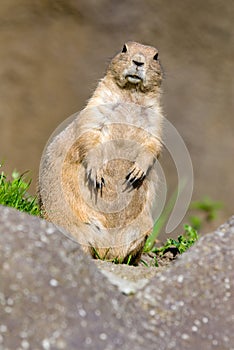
[[124, 49]]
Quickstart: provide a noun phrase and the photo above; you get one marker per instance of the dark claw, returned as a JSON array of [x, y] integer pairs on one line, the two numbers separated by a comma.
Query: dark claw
[[138, 182], [132, 180], [100, 185], [128, 176]]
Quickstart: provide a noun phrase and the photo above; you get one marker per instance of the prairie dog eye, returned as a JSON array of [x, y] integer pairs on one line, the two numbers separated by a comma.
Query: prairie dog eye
[[125, 49], [155, 56]]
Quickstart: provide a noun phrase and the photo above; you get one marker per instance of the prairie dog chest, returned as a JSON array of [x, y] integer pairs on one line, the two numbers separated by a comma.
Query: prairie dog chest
[[126, 121]]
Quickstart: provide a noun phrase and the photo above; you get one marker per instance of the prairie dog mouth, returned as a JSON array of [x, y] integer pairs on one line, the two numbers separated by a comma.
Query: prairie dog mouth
[[133, 79]]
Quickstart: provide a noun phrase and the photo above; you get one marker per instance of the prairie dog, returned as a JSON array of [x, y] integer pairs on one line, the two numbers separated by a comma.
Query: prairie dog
[[97, 176]]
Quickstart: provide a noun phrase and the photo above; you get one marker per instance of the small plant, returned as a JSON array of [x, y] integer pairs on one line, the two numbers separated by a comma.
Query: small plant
[[182, 243], [129, 260], [144, 262], [207, 209], [14, 193], [97, 256]]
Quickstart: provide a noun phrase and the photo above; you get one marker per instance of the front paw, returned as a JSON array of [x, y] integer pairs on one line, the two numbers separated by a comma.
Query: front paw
[[136, 175], [95, 177]]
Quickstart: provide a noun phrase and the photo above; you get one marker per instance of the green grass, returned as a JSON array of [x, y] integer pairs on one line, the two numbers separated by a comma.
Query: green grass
[[14, 193], [117, 261], [206, 211], [182, 243]]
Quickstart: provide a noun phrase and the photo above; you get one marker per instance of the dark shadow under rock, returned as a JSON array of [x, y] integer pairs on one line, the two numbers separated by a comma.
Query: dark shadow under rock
[[53, 297]]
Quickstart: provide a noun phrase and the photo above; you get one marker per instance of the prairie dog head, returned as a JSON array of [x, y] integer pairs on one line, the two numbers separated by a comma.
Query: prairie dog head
[[137, 67]]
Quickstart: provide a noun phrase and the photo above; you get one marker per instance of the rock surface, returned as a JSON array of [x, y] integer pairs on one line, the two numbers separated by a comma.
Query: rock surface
[[54, 297], [191, 304]]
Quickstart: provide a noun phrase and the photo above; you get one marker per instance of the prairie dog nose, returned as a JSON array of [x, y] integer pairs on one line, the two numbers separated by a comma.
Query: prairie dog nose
[[138, 60]]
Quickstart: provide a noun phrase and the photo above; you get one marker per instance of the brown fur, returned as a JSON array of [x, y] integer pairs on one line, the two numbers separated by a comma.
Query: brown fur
[[97, 177]]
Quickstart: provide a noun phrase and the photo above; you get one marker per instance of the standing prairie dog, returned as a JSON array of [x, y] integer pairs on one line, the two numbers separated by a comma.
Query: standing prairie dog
[[97, 176]]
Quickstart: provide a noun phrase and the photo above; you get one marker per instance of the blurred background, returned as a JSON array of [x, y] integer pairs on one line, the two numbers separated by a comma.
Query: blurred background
[[53, 52]]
